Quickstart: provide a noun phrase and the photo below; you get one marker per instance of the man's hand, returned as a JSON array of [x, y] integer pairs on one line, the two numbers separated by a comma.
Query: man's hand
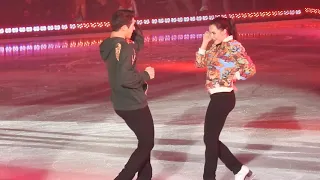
[[150, 71]]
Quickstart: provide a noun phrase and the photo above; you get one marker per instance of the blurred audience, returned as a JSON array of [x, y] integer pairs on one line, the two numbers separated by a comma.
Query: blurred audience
[[29, 12]]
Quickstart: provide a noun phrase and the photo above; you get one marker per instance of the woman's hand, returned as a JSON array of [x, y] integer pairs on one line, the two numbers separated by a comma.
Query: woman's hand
[[207, 37]]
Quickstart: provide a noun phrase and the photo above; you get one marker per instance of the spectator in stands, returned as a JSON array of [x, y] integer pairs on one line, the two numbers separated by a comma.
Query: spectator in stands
[[31, 10], [101, 10], [174, 8], [80, 12], [204, 6], [130, 5], [55, 11], [226, 5]]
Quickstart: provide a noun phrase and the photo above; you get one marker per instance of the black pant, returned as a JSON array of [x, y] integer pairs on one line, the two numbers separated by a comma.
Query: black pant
[[141, 123], [221, 104]]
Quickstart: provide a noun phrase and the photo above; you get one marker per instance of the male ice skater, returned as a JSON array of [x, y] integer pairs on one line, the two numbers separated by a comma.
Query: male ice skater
[[129, 87]]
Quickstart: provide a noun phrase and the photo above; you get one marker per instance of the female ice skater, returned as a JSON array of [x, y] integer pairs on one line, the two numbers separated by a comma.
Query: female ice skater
[[226, 61]]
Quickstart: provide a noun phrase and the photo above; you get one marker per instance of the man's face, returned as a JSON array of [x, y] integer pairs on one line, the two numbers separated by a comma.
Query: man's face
[[129, 30]]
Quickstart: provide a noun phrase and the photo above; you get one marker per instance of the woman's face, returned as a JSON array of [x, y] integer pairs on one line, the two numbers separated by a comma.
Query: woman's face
[[218, 35]]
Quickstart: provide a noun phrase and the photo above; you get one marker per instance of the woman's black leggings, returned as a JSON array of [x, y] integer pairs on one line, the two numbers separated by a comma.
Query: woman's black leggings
[[221, 104]]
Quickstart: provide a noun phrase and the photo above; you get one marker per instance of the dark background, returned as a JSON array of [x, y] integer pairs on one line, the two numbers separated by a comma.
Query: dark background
[[31, 12]]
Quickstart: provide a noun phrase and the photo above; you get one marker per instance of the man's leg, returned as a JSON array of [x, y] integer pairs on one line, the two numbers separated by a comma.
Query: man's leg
[[141, 123], [145, 173]]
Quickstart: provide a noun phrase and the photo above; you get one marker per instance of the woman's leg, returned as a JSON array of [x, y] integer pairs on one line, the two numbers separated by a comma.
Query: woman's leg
[[219, 107]]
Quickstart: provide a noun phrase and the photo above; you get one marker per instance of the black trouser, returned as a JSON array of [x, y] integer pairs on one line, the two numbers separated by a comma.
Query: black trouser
[[219, 107], [141, 123]]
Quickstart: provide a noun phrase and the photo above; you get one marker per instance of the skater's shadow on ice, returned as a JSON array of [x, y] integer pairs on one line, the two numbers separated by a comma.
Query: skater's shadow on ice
[[278, 118], [176, 160]]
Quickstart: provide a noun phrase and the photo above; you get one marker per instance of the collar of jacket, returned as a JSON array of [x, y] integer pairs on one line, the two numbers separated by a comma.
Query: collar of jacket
[[229, 38]]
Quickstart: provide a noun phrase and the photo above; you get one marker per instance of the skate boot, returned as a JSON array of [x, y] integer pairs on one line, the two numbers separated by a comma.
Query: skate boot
[[244, 174]]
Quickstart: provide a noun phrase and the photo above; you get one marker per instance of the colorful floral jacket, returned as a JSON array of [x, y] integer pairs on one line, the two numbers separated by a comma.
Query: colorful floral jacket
[[225, 64]]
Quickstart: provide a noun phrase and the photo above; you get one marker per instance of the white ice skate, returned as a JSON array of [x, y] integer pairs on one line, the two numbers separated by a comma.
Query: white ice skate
[[244, 174]]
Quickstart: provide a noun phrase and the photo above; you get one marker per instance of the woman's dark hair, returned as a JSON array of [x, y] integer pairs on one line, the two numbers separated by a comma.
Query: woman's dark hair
[[227, 24], [121, 18]]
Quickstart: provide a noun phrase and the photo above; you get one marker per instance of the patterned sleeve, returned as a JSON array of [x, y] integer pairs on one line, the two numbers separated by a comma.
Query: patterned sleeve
[[202, 57], [244, 64]]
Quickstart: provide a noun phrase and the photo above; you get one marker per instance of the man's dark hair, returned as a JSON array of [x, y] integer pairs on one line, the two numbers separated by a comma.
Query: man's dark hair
[[121, 18]]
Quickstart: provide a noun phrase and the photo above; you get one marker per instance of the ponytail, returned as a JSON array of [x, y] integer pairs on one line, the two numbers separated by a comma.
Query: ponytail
[[233, 29]]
